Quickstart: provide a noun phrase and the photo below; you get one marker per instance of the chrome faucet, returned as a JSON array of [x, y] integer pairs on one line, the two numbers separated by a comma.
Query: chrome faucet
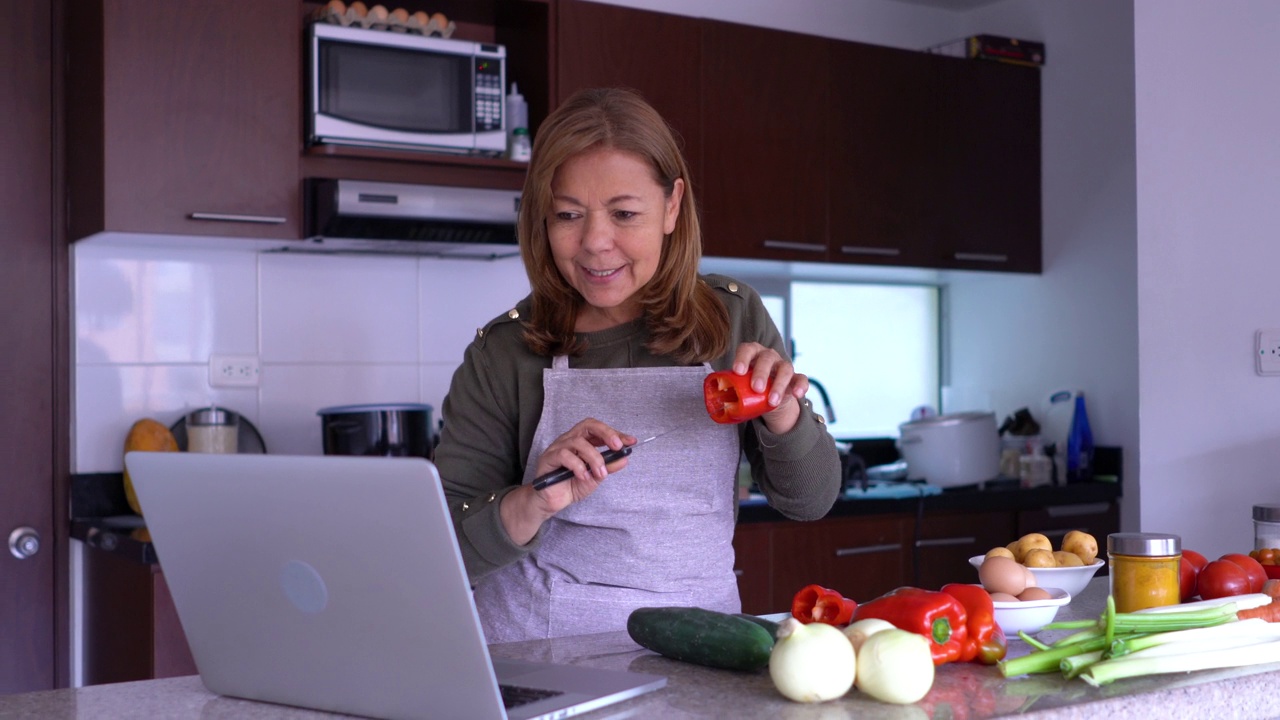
[[826, 401]]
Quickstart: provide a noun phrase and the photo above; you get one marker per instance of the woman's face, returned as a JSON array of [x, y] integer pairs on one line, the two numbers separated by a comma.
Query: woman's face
[[607, 224]]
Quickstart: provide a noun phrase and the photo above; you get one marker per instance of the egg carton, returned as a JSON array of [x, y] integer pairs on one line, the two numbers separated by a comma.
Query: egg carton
[[357, 14]]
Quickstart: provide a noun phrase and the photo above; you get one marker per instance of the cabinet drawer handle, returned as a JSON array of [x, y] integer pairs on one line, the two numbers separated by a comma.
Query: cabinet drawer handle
[[1052, 534], [785, 245], [868, 549], [1074, 510], [983, 257], [943, 542], [737, 572], [880, 251], [226, 217]]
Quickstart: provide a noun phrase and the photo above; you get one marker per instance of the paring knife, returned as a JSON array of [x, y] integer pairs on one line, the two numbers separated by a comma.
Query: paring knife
[[556, 476]]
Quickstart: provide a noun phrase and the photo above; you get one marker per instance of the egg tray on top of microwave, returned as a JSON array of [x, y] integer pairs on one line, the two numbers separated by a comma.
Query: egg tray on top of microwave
[[357, 14]]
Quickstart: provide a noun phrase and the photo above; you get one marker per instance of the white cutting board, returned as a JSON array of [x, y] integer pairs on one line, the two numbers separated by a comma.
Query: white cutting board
[[1055, 425]]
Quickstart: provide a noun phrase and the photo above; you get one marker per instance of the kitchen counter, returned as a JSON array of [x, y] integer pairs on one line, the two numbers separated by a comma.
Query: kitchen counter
[[959, 691]]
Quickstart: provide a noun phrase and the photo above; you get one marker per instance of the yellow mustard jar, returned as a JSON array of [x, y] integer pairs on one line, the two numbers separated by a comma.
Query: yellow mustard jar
[[1144, 569]]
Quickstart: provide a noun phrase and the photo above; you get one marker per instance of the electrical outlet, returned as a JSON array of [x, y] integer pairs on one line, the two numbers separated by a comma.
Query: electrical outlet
[[1266, 351], [233, 370]]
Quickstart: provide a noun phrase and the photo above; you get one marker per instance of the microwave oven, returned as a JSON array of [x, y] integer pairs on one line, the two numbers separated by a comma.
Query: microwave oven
[[375, 88]]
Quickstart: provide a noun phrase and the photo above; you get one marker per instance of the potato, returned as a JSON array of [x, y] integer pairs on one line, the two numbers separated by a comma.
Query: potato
[[1067, 559], [1040, 558], [1029, 542], [1000, 552], [1082, 544], [1013, 550]]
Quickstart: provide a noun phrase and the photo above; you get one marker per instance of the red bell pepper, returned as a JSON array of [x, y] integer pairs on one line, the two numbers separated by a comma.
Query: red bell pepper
[[730, 399], [986, 642], [815, 603], [939, 617]]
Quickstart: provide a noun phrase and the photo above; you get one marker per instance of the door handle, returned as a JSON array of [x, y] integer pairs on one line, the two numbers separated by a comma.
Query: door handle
[[230, 217], [943, 542], [787, 245], [868, 549], [24, 542], [982, 257], [880, 251]]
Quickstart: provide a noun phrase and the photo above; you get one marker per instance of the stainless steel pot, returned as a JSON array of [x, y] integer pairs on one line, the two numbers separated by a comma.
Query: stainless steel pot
[[391, 430], [952, 450]]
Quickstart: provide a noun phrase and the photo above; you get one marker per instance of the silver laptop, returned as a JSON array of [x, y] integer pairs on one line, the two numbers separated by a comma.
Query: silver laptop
[[335, 583]]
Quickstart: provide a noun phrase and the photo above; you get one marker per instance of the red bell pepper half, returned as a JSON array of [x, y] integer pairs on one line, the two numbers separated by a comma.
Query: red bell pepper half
[[730, 399], [815, 603], [939, 617], [986, 642]]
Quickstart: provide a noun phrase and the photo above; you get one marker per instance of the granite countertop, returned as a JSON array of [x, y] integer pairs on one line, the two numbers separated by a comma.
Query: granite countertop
[[959, 690]]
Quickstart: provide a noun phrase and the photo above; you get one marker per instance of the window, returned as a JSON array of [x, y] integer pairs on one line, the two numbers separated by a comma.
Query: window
[[875, 348]]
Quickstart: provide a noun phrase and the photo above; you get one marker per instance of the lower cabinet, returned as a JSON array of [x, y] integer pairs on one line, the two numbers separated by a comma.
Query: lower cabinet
[[945, 541], [131, 628], [862, 557]]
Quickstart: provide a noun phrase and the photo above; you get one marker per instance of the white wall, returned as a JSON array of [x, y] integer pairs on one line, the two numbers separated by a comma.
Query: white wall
[[1208, 171]]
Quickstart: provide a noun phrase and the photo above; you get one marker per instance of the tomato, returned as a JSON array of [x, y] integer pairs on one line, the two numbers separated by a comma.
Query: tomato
[[1222, 578], [1251, 567], [1187, 573], [1198, 560], [1267, 556]]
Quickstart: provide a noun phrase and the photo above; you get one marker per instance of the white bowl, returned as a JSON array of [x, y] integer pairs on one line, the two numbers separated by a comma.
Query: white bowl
[[1029, 615], [1072, 579]]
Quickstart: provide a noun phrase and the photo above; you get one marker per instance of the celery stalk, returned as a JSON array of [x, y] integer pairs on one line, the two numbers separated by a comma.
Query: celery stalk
[[1135, 665]]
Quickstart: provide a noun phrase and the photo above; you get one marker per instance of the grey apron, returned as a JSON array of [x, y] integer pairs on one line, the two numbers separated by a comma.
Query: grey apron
[[658, 533]]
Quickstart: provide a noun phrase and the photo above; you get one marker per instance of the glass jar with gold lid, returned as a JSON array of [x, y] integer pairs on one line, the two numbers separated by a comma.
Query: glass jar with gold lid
[[1144, 569]]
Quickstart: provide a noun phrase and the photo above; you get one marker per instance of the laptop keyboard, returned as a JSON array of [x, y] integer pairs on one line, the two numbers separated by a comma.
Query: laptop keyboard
[[514, 696]]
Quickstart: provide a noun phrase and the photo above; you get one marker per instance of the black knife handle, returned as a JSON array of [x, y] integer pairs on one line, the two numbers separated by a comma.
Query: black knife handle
[[555, 476]]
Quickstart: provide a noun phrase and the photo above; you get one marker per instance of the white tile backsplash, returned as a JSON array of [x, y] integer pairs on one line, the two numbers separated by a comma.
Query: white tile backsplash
[[327, 329], [339, 309]]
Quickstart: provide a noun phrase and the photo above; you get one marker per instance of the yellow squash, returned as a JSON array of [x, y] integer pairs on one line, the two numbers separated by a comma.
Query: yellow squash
[[150, 436]]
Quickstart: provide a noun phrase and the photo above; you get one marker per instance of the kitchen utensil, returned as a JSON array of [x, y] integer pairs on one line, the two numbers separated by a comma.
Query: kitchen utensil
[[385, 430], [952, 450], [248, 439], [557, 476], [1071, 579]]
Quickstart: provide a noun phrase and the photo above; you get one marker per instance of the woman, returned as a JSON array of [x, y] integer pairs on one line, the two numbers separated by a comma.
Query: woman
[[613, 345]]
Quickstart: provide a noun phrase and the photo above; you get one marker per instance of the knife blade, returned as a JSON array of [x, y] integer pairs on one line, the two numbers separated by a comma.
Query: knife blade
[[558, 476]]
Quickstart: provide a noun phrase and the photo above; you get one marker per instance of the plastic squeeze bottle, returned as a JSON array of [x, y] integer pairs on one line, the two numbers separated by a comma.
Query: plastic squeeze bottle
[[518, 144]]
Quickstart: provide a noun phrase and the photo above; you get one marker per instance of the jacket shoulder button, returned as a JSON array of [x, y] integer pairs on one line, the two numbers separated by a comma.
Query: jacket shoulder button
[[513, 313], [733, 287]]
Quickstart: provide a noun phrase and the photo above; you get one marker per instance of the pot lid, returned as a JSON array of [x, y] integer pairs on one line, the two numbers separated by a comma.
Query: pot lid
[[959, 418], [374, 407]]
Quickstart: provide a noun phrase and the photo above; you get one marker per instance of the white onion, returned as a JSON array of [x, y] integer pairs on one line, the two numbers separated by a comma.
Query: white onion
[[859, 631], [895, 666], [812, 663]]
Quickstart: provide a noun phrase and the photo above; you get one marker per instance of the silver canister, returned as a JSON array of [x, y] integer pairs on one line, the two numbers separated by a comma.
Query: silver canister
[[213, 430]]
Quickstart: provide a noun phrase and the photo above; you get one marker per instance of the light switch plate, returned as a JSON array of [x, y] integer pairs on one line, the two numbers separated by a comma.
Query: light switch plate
[[1266, 351]]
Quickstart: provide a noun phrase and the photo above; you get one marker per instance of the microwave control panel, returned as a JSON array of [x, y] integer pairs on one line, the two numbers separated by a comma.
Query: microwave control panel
[[489, 89]]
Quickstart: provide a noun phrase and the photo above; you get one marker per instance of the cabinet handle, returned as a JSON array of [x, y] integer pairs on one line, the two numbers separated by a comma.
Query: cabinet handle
[[868, 549], [878, 251], [226, 217], [785, 245], [737, 572], [1080, 509], [943, 542], [1051, 534], [983, 257]]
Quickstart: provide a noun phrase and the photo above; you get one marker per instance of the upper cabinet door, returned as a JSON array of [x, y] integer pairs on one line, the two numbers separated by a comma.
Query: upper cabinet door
[[185, 118], [989, 169], [881, 164], [764, 180], [656, 54]]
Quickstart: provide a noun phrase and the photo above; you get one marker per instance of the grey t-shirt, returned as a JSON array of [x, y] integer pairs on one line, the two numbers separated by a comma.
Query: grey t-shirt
[[495, 402]]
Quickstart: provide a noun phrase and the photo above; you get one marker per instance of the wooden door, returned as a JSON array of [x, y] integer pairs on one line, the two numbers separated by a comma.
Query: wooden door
[[880, 167], [32, 275], [657, 54], [989, 169], [764, 143]]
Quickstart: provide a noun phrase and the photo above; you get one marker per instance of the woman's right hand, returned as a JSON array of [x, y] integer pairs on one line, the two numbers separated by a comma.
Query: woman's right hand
[[524, 510]]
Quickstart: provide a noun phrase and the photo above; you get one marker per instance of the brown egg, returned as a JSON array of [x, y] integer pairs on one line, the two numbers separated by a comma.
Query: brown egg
[[1002, 575], [1034, 593], [1031, 577], [1003, 597]]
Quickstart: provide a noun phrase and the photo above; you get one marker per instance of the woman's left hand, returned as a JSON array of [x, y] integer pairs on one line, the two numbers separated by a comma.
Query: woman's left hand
[[789, 386]]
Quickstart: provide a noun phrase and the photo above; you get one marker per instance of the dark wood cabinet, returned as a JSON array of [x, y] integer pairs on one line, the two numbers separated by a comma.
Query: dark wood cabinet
[[1099, 519], [184, 118], [862, 557], [763, 190], [945, 541], [654, 53], [753, 548], [988, 168]]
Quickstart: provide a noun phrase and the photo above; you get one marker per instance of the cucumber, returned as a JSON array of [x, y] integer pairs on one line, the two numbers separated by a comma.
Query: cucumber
[[769, 625], [703, 637]]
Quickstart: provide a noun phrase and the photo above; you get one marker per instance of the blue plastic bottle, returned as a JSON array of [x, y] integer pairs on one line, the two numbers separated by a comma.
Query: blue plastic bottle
[[1080, 445]]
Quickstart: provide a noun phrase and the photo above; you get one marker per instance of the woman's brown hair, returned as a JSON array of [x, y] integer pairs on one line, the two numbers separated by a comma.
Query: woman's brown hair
[[685, 318]]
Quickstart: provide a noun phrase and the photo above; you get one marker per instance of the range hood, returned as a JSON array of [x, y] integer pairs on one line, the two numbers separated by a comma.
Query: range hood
[[361, 217]]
